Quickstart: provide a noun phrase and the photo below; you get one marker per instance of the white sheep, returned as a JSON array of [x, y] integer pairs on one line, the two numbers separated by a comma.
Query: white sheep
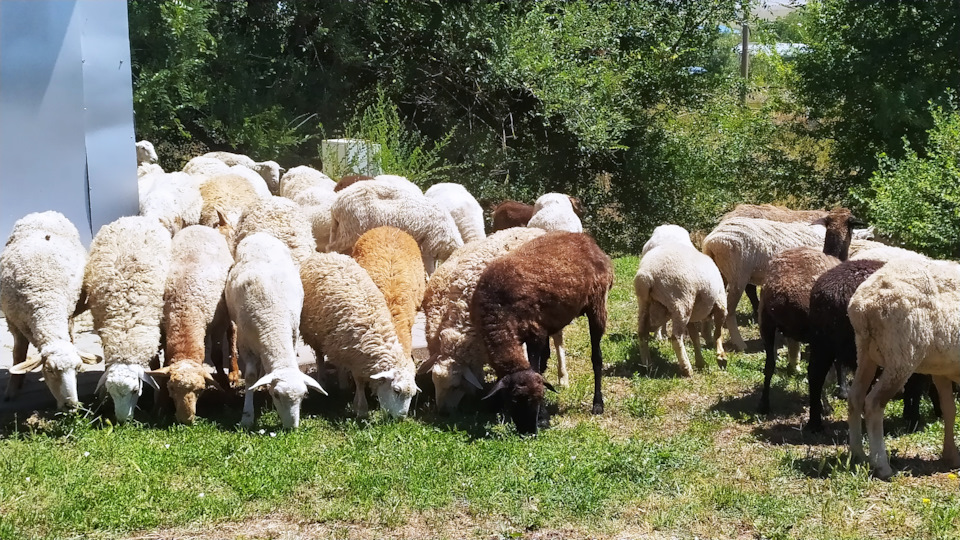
[[667, 235], [345, 316], [461, 205], [742, 249], [368, 205], [302, 178], [316, 202], [678, 283], [863, 250], [204, 167], [457, 354], [41, 275], [124, 280], [555, 212], [146, 153], [906, 317], [269, 171], [283, 219], [264, 297], [148, 168], [399, 182], [174, 199], [194, 313]]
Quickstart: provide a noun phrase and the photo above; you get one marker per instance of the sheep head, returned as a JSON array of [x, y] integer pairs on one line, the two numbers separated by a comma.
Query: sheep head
[[61, 362], [288, 387], [187, 380], [523, 392], [124, 383], [270, 172], [395, 389], [840, 223]]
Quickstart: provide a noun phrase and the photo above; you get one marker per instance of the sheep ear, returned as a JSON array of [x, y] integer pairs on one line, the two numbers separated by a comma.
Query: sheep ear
[[472, 379], [266, 380], [222, 219], [427, 366], [854, 221], [496, 388], [313, 384], [26, 366], [162, 372], [549, 386], [101, 382], [211, 381], [145, 377], [383, 375]]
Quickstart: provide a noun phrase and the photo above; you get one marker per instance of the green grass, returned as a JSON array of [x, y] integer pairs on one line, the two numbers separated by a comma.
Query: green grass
[[669, 457]]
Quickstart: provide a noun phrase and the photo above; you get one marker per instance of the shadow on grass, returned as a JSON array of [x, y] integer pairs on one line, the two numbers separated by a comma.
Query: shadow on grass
[[824, 466], [660, 367], [783, 403]]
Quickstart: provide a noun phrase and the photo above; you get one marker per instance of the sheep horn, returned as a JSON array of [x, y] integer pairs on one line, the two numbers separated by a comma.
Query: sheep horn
[[496, 388], [427, 366], [101, 382], [211, 381], [269, 378], [472, 379], [26, 366]]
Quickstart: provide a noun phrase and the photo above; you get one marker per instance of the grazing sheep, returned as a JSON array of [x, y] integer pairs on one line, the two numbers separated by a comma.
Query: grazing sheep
[[302, 178], [349, 180], [667, 235], [225, 197], [283, 219], [399, 182], [41, 275], [785, 297], [906, 318], [529, 294], [147, 169], [146, 153], [509, 214], [832, 341], [345, 316], [175, 200], [392, 259], [555, 212], [742, 249], [204, 167], [269, 171], [456, 350], [464, 209], [124, 280], [195, 312], [367, 205], [264, 298], [675, 281]]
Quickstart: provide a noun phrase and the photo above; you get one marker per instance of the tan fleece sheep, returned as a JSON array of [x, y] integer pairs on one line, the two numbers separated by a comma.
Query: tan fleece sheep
[[392, 258], [345, 316], [299, 179], [124, 280], [225, 197]]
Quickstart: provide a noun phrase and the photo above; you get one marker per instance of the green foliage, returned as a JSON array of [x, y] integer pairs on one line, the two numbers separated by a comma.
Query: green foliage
[[916, 200], [872, 69]]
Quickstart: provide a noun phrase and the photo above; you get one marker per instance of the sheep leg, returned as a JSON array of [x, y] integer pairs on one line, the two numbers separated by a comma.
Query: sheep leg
[[751, 291], [234, 375], [913, 391], [843, 388], [768, 334], [564, 377], [20, 346], [889, 383], [251, 374], [858, 393], [949, 408], [821, 356], [598, 324], [718, 315], [733, 298], [793, 354], [693, 330], [643, 331], [360, 398]]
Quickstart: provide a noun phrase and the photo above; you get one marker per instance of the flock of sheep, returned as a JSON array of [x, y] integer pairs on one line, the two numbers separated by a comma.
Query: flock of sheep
[[233, 262]]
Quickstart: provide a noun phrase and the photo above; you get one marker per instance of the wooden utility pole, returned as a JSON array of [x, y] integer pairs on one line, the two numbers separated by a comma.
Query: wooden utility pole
[[744, 51]]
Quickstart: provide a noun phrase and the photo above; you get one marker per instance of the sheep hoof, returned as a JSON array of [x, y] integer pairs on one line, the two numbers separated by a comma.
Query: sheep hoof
[[884, 472], [565, 381], [598, 408], [246, 421], [722, 361]]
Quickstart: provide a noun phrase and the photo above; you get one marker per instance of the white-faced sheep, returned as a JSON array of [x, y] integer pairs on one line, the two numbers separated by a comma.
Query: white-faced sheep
[[269, 171], [146, 153], [41, 275], [302, 178], [742, 249], [527, 295], [392, 259], [345, 316], [264, 297], [367, 205], [464, 209], [283, 219], [785, 297], [906, 318], [678, 283], [124, 280], [195, 313], [175, 200], [457, 353], [555, 212]]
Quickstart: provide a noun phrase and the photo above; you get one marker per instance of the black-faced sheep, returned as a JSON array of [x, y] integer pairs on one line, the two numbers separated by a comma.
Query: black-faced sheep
[[529, 294], [785, 297]]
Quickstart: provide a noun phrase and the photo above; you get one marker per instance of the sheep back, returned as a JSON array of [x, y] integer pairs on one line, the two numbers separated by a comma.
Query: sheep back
[[462, 206], [681, 280], [302, 178], [509, 214], [283, 219]]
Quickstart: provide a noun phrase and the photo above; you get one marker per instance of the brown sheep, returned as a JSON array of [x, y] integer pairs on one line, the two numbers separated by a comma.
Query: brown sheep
[[511, 214], [392, 258], [526, 296], [785, 297], [349, 180], [225, 197]]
